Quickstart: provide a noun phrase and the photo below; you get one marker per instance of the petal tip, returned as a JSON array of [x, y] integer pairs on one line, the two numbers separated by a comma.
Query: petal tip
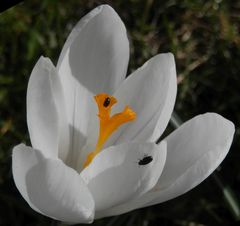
[[108, 11], [224, 120], [19, 149], [19, 146], [167, 55], [106, 8], [43, 63]]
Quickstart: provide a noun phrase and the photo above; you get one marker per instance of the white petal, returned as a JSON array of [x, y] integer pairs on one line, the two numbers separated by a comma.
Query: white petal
[[150, 92], [97, 51], [22, 161], [115, 176], [50, 187], [194, 152], [203, 140], [94, 59], [46, 116]]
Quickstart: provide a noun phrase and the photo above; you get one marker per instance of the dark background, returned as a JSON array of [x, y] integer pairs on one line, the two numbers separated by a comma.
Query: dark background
[[204, 37]]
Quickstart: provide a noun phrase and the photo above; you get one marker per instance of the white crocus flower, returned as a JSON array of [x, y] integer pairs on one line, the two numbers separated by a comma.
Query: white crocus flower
[[70, 174]]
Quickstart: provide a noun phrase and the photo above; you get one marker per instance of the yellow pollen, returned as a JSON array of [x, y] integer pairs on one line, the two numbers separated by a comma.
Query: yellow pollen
[[108, 124]]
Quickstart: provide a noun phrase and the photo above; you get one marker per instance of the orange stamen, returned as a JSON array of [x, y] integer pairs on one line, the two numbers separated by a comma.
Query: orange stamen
[[108, 124]]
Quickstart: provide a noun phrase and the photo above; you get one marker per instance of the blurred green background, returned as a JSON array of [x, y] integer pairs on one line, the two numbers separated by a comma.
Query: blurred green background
[[204, 37]]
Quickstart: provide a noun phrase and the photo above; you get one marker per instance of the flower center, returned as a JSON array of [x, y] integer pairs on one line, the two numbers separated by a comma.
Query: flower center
[[108, 124]]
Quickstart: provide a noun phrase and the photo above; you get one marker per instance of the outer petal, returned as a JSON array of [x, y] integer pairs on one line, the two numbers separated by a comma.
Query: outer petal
[[96, 52], [94, 59], [115, 176], [50, 187], [46, 116], [194, 152], [150, 92]]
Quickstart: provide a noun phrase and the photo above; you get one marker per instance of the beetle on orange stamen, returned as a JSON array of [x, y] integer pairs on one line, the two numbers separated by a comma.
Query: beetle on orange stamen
[[108, 124]]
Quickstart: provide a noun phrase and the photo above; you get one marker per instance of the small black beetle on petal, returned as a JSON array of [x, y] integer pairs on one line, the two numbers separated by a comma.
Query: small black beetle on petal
[[145, 160]]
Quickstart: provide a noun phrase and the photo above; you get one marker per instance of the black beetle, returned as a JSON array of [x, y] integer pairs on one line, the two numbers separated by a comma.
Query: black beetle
[[106, 102], [145, 160]]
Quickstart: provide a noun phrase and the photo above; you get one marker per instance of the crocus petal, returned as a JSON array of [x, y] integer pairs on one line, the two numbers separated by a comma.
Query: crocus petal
[[94, 59], [150, 92], [194, 152], [47, 122], [96, 52], [50, 187], [116, 176]]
